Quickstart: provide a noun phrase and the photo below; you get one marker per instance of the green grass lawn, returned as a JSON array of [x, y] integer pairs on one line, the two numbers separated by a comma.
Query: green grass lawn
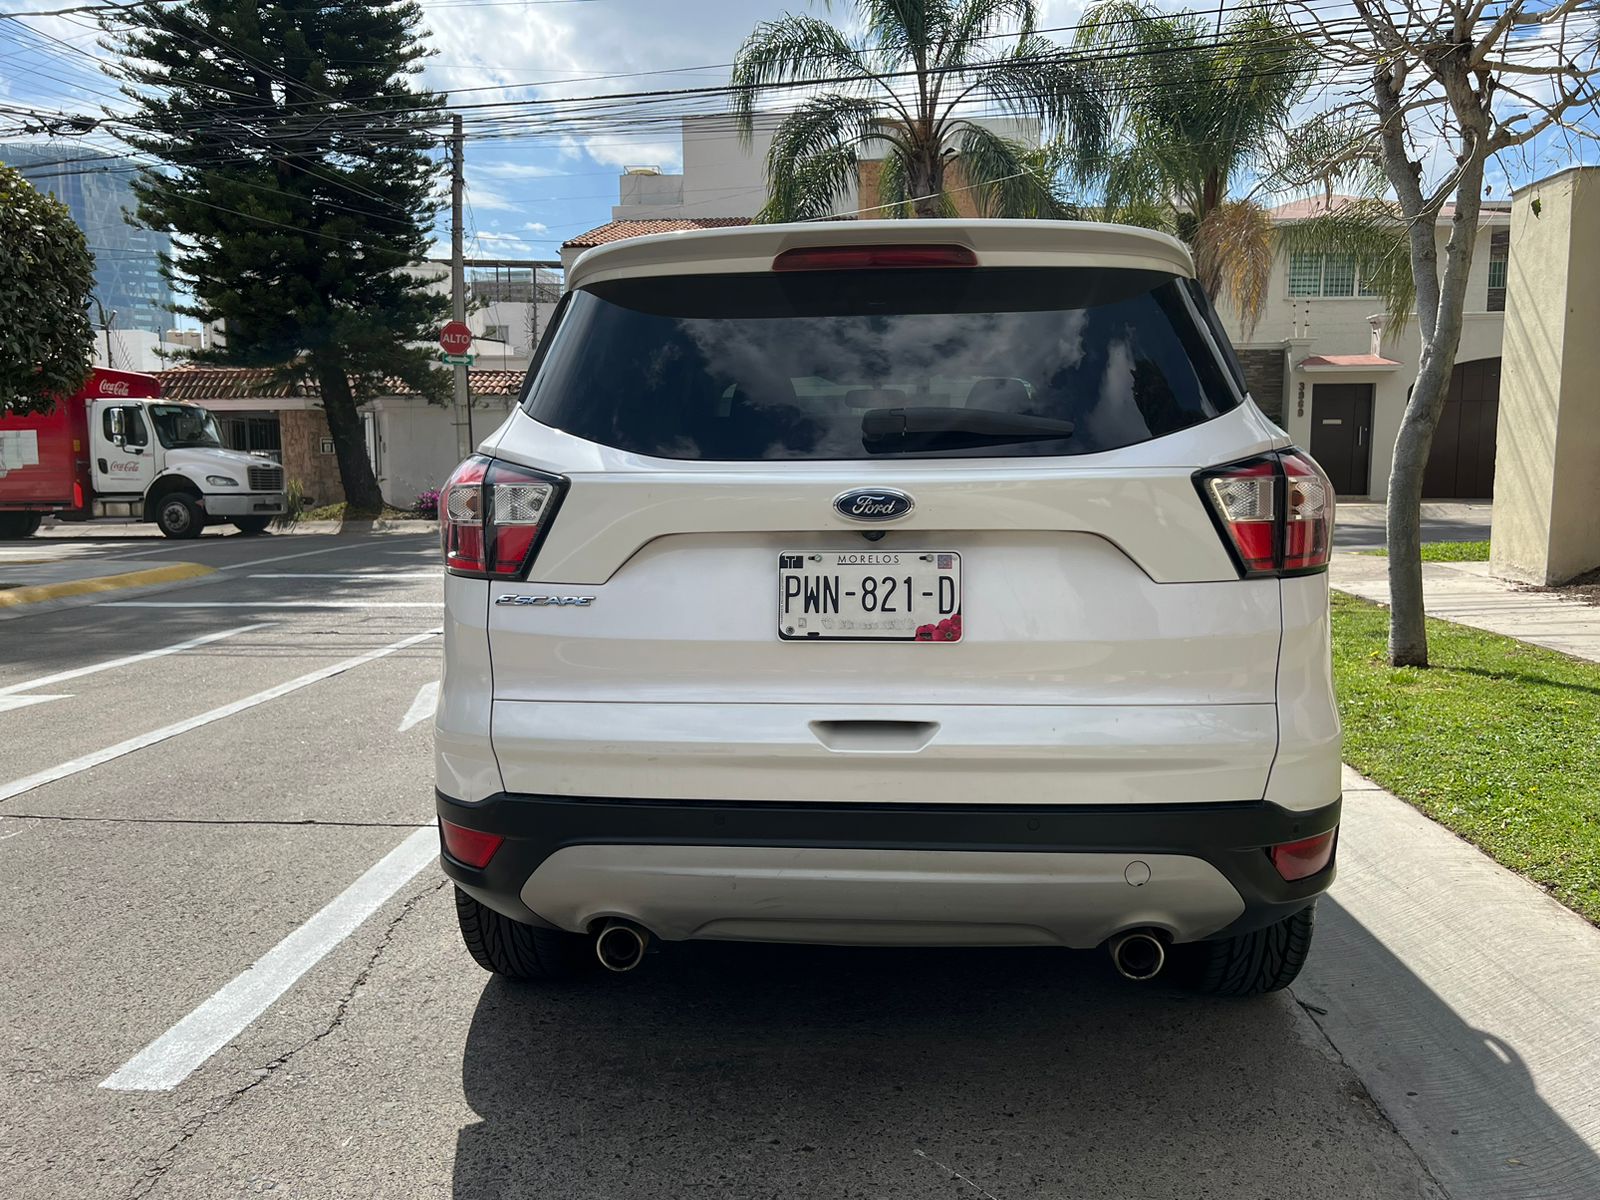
[[1445, 552], [1498, 740]]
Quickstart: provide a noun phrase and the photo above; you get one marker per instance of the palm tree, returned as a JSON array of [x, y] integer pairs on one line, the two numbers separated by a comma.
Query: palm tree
[[1199, 108], [905, 91]]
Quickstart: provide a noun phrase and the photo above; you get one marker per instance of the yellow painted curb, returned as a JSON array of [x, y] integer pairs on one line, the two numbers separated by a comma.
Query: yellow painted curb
[[11, 597]]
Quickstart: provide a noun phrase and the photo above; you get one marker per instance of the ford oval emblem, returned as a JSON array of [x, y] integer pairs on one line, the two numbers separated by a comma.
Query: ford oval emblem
[[873, 504]]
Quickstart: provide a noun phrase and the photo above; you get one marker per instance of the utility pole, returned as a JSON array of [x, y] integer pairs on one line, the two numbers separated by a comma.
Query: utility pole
[[106, 325], [458, 287]]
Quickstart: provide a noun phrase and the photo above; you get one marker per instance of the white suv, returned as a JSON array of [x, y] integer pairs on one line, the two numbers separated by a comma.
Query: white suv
[[889, 583]]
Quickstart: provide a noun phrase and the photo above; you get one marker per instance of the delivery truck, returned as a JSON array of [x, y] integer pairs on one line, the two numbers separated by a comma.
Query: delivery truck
[[117, 449]]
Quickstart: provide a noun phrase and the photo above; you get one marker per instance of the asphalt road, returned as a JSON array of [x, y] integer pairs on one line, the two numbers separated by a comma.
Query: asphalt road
[[222, 840]]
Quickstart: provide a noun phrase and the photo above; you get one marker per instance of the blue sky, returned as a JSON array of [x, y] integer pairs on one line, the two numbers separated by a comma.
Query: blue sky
[[531, 188]]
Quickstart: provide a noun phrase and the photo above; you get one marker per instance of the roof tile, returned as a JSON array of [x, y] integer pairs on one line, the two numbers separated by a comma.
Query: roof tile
[[265, 383], [616, 231]]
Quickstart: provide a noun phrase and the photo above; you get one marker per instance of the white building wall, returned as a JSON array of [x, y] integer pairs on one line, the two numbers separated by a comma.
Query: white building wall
[[141, 350], [416, 442]]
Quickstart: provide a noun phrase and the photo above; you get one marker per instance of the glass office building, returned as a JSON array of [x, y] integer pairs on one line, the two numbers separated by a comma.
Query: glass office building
[[96, 187]]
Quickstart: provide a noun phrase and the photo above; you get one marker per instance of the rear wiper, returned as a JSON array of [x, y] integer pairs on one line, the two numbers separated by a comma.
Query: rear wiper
[[881, 424]]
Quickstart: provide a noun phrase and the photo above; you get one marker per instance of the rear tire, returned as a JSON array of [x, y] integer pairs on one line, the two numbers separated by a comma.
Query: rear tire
[[517, 951], [178, 516], [1255, 963], [14, 526], [251, 526]]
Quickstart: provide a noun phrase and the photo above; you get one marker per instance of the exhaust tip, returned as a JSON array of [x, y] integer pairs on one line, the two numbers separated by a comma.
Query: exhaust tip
[[1138, 955], [620, 946]]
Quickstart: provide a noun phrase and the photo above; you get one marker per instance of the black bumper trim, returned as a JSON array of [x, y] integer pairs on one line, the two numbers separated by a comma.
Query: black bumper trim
[[1230, 836]]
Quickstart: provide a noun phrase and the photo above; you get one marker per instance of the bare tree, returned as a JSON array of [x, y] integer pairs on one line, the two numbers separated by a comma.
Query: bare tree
[[1482, 77]]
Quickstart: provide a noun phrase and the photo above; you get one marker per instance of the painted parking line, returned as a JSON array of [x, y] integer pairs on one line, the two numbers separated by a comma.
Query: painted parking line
[[174, 1056], [7, 703], [127, 660], [422, 707], [63, 770], [354, 576], [261, 562], [274, 604]]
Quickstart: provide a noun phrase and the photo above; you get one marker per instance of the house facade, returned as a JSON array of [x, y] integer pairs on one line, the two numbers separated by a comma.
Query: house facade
[[1324, 363]]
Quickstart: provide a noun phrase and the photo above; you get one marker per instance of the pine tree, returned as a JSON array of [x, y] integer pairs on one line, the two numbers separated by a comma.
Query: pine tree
[[299, 188]]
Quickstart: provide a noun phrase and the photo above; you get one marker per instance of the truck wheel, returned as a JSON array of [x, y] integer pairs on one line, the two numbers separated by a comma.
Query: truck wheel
[[518, 951], [15, 526], [178, 516], [1254, 963], [251, 525]]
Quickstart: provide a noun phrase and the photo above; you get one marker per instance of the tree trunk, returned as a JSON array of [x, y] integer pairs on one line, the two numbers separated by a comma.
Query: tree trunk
[[1440, 303], [927, 185], [349, 443]]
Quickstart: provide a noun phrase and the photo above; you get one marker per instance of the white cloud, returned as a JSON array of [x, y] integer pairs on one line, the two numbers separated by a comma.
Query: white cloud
[[515, 170], [488, 244], [489, 200], [536, 227]]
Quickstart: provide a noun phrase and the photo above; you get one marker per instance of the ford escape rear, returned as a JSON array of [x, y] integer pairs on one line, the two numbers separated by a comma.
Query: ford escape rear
[[889, 583]]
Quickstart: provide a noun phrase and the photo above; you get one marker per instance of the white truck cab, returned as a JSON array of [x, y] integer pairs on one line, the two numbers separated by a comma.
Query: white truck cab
[[165, 461]]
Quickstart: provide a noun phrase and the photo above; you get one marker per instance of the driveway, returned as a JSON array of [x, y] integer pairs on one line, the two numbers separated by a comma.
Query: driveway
[[1360, 525]]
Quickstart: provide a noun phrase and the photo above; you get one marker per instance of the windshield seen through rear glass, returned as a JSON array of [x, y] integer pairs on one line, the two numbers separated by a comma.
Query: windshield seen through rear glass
[[880, 364]]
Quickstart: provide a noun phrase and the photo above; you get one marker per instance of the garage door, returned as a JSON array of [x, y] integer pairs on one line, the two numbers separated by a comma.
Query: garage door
[[1461, 462]]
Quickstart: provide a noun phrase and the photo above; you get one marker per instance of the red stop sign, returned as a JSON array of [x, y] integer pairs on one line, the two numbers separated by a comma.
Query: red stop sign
[[456, 338]]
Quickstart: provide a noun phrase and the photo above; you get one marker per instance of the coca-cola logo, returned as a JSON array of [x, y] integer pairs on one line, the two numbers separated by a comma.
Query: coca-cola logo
[[114, 387]]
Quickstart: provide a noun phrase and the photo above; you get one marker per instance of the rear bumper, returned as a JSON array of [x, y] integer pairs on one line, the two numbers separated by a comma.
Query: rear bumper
[[888, 873]]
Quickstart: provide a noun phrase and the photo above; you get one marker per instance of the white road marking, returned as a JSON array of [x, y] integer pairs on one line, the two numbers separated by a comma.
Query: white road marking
[[172, 1057], [261, 562], [354, 576], [128, 660], [273, 604], [161, 546], [7, 703], [51, 774], [422, 707]]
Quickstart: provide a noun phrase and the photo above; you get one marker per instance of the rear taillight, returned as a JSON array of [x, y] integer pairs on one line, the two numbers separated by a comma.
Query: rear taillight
[[1275, 512], [1305, 858], [491, 514], [865, 258], [470, 846]]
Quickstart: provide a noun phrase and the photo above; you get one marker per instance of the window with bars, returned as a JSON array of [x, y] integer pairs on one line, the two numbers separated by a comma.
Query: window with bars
[[1339, 275], [1499, 258], [1305, 273], [1325, 276]]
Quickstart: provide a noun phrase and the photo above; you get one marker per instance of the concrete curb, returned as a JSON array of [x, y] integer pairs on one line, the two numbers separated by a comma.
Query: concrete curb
[[38, 593]]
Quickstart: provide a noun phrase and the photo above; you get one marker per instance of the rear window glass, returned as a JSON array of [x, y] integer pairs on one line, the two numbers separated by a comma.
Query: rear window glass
[[879, 364]]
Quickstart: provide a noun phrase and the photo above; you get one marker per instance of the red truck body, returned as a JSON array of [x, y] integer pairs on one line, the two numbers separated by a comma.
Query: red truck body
[[44, 457]]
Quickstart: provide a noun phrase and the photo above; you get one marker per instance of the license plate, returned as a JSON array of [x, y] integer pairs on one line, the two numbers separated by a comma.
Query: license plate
[[865, 596]]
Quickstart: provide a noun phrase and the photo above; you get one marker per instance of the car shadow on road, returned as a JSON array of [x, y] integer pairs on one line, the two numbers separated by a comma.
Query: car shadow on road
[[744, 1070]]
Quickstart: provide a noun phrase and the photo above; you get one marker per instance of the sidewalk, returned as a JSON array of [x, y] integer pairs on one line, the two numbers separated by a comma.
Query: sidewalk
[[1466, 594], [1463, 997]]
